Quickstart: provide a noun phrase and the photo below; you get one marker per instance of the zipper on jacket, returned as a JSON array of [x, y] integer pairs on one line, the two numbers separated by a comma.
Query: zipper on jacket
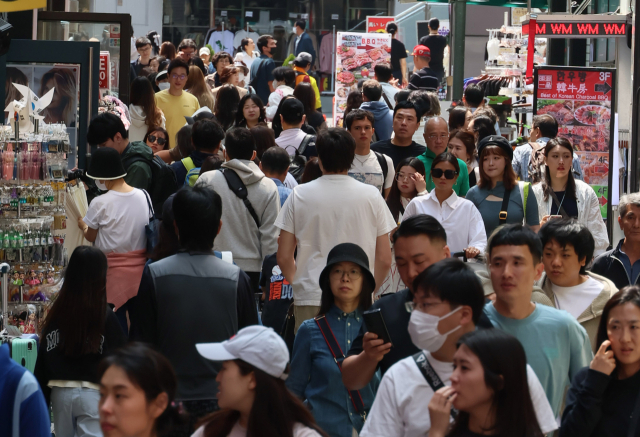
[[623, 268]]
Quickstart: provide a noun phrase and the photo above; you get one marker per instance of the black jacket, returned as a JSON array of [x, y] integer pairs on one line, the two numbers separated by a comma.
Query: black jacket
[[610, 266]]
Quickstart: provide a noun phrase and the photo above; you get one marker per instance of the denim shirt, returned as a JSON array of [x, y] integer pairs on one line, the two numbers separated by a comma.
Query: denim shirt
[[316, 378]]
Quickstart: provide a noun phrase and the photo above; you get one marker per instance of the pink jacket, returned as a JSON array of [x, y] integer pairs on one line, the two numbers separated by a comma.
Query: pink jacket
[[123, 275]]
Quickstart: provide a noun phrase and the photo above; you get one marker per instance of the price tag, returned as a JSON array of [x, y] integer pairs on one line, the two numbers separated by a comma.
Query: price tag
[[248, 14], [335, 17], [506, 50], [304, 16], [223, 13]]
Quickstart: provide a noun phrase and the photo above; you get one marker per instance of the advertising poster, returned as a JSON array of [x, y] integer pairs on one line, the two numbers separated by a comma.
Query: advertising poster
[[582, 101], [357, 55], [378, 24]]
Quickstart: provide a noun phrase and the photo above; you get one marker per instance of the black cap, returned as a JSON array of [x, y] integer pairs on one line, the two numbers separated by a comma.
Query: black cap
[[202, 115], [106, 165], [347, 252], [292, 109], [498, 141]]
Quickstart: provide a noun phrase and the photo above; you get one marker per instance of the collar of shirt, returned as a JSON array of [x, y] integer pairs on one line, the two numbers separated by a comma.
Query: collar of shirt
[[291, 134], [340, 315], [429, 154], [543, 140], [278, 182], [452, 200]]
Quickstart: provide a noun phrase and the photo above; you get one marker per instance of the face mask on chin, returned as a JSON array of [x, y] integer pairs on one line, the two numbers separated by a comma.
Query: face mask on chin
[[101, 185], [423, 329], [164, 86]]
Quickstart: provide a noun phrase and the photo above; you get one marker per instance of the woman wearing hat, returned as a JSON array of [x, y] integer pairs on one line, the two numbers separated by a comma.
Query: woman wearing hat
[[115, 222], [346, 284], [499, 197], [252, 395]]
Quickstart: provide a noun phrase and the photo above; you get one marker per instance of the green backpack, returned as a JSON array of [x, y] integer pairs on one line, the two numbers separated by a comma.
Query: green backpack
[[193, 172]]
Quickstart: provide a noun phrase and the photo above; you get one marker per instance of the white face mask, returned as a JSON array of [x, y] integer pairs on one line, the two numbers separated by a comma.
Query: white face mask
[[164, 86], [101, 185], [423, 329], [240, 77]]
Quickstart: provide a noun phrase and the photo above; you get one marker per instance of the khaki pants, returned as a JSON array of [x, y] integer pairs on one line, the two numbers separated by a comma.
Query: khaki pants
[[302, 313]]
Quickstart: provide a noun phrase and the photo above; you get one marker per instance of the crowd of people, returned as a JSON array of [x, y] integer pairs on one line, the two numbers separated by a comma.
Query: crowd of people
[[257, 273]]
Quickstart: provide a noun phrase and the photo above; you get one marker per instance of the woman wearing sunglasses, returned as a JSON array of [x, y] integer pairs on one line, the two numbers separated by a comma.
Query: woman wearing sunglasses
[[459, 217], [157, 138], [315, 376]]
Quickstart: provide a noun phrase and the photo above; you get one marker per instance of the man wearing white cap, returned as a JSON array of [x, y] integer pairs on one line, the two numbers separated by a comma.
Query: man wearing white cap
[[251, 386]]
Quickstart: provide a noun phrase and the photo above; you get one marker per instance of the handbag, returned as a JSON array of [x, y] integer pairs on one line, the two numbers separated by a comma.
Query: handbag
[[338, 357], [152, 229]]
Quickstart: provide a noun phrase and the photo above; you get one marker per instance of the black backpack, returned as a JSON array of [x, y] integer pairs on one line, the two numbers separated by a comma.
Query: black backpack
[[384, 166], [163, 180], [299, 161]]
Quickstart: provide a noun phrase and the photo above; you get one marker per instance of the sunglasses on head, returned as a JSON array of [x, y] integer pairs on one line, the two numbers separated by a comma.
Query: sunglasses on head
[[159, 140], [448, 174]]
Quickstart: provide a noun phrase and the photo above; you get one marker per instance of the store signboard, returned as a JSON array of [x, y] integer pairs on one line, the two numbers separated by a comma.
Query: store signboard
[[378, 24], [105, 70], [357, 55], [582, 100], [21, 5], [578, 26]]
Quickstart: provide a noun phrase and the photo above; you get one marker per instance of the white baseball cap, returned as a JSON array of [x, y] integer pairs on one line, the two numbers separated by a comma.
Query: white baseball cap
[[256, 345], [204, 51]]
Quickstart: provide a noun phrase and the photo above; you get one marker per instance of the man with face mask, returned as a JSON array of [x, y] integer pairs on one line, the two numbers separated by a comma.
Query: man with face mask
[[448, 303], [262, 68]]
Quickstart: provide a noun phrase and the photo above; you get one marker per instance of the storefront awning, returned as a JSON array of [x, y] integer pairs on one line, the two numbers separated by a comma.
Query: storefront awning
[[540, 4]]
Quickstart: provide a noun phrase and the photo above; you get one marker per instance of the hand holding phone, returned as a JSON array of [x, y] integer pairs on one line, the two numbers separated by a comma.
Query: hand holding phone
[[375, 323]]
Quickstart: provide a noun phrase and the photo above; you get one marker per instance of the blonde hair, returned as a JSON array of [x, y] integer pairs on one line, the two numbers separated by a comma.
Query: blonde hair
[[65, 86], [197, 86]]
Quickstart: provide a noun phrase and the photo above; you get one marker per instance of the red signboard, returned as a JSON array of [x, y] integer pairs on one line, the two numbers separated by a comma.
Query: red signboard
[[582, 102], [378, 24], [577, 29], [105, 71]]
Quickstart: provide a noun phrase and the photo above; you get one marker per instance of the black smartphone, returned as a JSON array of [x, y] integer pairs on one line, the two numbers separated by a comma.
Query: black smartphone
[[375, 323]]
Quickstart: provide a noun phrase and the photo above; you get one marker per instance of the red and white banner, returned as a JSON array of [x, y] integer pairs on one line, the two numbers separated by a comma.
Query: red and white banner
[[105, 70], [378, 24]]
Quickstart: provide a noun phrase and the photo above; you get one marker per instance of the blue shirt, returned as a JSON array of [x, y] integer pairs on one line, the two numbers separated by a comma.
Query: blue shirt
[[265, 65], [282, 191], [632, 270], [316, 378], [557, 347]]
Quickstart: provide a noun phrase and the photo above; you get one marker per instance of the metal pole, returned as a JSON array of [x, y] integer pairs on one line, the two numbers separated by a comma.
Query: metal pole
[[333, 60], [457, 65], [4, 269]]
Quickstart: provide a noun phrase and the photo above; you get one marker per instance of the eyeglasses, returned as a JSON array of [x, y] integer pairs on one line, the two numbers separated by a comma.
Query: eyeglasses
[[448, 174], [161, 141], [402, 176], [435, 137], [179, 76], [352, 274]]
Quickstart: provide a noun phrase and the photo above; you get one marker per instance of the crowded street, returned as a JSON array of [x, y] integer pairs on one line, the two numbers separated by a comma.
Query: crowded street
[[317, 219]]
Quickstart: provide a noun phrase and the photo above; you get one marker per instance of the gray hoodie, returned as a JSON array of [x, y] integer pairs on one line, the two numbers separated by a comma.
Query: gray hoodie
[[383, 119], [239, 233]]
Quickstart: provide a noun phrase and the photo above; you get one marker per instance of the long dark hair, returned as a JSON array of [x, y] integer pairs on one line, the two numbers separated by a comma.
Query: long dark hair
[[183, 141], [226, 105], [327, 299], [505, 373], [483, 126], [153, 374], [508, 177], [142, 95], [264, 137], [276, 124], [80, 310], [274, 413], [304, 92], [312, 170], [546, 180], [628, 294], [240, 120], [393, 200]]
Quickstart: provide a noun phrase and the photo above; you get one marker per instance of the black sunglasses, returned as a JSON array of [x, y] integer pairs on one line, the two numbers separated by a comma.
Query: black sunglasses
[[448, 174], [161, 141]]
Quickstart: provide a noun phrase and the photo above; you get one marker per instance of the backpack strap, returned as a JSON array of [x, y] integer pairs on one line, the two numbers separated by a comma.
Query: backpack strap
[[338, 357], [304, 143], [384, 166], [524, 195], [237, 186], [430, 375], [189, 165], [386, 99], [151, 212]]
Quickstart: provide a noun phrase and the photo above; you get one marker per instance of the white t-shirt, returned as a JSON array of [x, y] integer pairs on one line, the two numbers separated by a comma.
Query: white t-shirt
[[120, 219], [575, 300], [299, 430], [400, 408], [458, 216], [290, 181], [323, 213], [367, 169]]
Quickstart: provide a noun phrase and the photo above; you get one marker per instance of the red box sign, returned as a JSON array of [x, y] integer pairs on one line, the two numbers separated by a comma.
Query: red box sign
[[105, 71], [378, 24], [574, 85], [577, 29]]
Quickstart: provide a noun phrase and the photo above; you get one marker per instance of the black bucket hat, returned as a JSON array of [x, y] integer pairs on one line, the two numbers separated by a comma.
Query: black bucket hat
[[106, 165], [498, 141], [347, 252]]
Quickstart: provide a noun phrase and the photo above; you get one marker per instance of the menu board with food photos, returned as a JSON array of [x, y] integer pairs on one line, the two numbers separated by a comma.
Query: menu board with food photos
[[356, 56], [582, 100]]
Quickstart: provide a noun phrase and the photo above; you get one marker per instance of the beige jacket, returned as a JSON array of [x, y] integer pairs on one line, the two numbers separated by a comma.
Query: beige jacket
[[590, 318], [588, 212]]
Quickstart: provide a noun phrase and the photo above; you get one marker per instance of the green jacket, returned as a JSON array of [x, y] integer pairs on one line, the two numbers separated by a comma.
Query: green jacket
[[462, 184], [139, 171]]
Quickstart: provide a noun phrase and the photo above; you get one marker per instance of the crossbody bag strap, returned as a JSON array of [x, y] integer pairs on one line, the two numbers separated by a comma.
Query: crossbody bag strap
[[240, 190], [338, 357], [505, 205], [430, 375], [386, 100], [151, 211], [561, 210]]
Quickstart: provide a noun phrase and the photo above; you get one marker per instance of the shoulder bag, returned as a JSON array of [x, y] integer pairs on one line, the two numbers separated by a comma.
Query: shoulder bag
[[430, 375]]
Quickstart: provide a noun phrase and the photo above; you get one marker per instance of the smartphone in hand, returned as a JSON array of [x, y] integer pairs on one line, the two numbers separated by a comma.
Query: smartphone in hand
[[375, 323]]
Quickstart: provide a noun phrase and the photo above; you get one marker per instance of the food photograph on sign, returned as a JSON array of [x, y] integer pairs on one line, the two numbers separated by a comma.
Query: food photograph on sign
[[358, 54]]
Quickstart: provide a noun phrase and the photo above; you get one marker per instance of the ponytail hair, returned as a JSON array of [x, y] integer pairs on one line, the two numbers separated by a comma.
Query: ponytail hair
[[153, 374]]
